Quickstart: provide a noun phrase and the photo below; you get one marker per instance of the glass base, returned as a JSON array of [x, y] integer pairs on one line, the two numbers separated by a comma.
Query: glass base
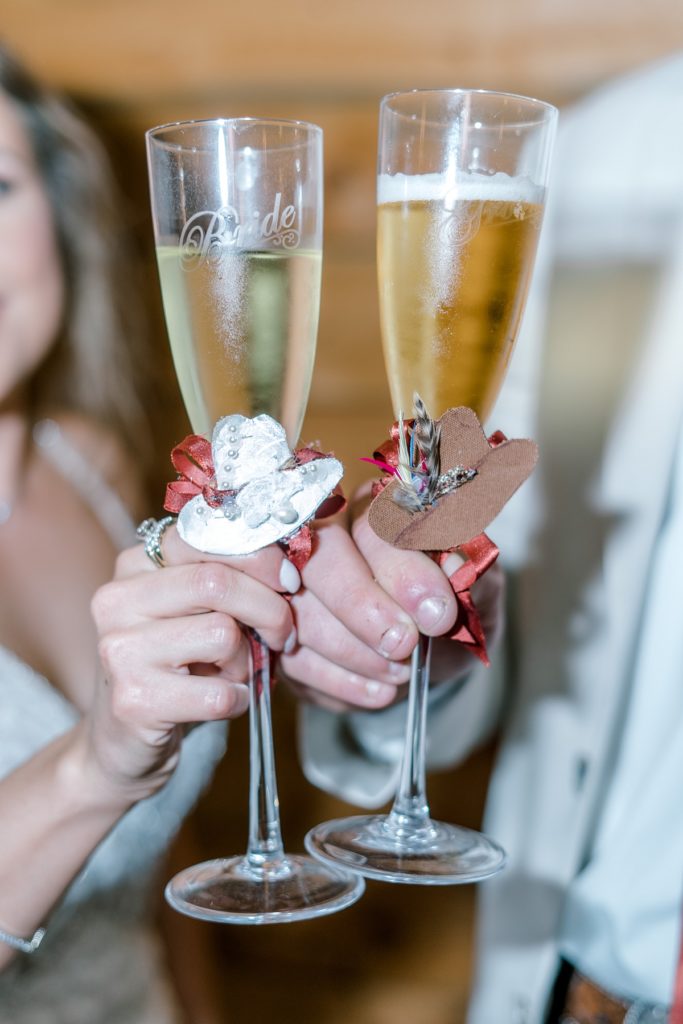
[[233, 891], [393, 850]]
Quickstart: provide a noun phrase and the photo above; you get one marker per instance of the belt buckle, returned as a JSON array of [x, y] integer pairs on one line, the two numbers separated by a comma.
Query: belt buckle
[[586, 1001]]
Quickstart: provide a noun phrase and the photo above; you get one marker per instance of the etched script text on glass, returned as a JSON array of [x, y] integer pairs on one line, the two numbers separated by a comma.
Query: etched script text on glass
[[242, 319]]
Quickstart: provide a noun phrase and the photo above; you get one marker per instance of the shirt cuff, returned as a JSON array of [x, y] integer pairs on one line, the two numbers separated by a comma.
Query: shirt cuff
[[356, 755]]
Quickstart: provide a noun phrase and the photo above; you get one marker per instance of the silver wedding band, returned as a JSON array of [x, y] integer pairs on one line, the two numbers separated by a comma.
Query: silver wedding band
[[152, 531]]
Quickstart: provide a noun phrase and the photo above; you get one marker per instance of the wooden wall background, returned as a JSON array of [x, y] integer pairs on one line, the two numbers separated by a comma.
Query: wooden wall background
[[136, 63], [402, 955]]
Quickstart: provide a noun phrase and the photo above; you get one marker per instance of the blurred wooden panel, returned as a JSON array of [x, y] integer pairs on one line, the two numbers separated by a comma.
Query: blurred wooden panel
[[403, 955], [131, 48], [137, 63]]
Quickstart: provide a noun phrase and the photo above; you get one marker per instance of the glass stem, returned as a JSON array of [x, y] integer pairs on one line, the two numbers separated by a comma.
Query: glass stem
[[265, 849], [410, 809]]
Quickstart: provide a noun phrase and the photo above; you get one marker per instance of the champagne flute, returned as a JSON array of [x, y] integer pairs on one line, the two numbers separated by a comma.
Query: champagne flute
[[237, 212], [461, 190]]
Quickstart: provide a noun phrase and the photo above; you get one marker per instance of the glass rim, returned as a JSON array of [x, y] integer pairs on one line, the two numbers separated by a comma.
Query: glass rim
[[156, 134], [550, 110]]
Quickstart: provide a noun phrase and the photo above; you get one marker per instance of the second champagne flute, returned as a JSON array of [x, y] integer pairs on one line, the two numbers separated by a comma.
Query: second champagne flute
[[461, 190], [237, 211]]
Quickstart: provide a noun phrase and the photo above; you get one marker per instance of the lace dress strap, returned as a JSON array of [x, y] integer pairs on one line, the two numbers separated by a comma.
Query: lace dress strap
[[95, 490]]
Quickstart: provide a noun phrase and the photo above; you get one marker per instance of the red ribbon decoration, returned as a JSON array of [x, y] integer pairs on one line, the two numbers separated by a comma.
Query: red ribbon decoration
[[193, 462], [259, 663], [480, 552]]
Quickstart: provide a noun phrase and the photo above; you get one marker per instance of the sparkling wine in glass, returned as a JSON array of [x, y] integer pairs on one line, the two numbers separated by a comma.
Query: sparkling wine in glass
[[462, 177], [237, 211]]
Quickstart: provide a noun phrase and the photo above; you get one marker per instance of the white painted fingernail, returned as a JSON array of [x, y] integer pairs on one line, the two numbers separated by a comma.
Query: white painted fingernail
[[452, 564], [289, 576], [290, 643]]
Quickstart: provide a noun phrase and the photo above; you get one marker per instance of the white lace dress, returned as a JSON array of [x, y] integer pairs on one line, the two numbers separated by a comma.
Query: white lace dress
[[99, 962]]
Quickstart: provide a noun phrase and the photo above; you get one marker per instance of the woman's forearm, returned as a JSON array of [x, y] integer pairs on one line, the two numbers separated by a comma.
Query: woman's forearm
[[54, 810], [172, 654]]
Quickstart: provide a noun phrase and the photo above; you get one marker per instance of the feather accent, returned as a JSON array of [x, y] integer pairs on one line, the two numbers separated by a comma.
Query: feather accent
[[407, 498], [407, 492], [418, 478], [426, 433]]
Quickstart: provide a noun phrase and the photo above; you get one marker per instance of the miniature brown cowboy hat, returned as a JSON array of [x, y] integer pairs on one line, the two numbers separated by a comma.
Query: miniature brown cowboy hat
[[463, 513]]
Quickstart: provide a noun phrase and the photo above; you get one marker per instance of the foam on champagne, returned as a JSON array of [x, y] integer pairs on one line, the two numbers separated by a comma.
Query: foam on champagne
[[439, 187]]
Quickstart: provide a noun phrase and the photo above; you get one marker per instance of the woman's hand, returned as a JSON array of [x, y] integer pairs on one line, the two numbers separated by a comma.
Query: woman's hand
[[359, 615], [173, 652]]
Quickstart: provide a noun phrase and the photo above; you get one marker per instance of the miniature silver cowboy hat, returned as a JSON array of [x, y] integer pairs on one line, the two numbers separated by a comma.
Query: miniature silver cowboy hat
[[263, 493]]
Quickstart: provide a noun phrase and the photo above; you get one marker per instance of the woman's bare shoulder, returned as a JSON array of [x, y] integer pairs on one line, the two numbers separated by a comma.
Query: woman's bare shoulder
[[106, 452]]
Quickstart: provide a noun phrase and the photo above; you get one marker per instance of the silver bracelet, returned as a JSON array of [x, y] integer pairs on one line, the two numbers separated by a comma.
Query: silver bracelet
[[23, 945]]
